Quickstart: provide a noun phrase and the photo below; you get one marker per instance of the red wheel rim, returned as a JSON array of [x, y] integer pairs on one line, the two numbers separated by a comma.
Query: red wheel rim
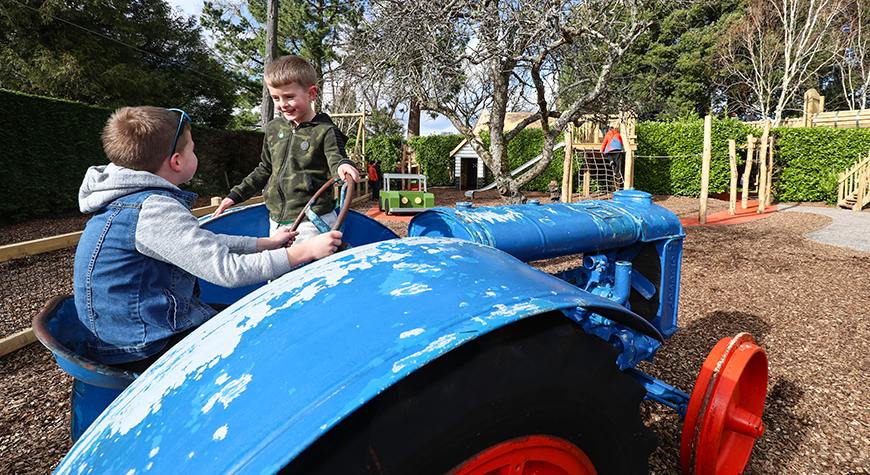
[[723, 419], [529, 455]]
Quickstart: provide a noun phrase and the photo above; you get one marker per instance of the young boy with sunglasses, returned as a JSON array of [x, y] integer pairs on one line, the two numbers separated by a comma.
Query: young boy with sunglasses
[[140, 256], [302, 150]]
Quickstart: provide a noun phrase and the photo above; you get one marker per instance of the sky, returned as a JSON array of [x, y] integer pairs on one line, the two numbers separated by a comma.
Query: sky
[[427, 125]]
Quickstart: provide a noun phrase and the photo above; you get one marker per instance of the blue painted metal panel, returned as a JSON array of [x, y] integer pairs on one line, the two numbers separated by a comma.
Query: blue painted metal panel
[[253, 387], [253, 220], [535, 231]]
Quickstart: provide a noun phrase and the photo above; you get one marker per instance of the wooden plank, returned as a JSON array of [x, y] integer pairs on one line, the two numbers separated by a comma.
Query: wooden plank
[[38, 246], [16, 341]]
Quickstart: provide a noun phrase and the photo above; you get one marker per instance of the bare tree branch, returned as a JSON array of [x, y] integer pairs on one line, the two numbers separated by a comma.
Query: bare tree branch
[[458, 57]]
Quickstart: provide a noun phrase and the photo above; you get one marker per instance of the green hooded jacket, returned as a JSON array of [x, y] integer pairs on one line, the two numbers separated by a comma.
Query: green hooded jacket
[[294, 164]]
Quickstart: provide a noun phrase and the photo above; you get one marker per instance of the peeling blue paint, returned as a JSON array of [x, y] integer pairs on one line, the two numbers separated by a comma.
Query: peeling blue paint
[[272, 393]]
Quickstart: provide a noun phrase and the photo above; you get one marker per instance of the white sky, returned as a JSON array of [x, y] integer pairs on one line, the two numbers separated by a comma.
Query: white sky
[[427, 125]]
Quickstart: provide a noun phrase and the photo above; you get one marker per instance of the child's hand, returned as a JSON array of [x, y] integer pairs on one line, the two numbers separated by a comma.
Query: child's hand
[[226, 203], [284, 237], [345, 170], [321, 246]]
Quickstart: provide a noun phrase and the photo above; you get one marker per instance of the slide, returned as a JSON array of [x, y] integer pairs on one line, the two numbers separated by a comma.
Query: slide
[[514, 172]]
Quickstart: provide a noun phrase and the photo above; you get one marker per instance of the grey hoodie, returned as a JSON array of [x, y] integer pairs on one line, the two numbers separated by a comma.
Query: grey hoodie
[[167, 231]]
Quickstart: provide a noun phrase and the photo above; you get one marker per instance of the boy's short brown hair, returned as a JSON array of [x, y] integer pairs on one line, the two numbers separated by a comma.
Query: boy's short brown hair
[[287, 70], [140, 138]]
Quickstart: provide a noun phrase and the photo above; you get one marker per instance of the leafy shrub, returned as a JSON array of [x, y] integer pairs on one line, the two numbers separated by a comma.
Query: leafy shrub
[[808, 161], [668, 159], [387, 149], [433, 155]]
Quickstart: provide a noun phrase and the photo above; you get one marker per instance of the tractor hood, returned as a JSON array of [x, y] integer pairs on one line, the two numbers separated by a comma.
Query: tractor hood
[[256, 385]]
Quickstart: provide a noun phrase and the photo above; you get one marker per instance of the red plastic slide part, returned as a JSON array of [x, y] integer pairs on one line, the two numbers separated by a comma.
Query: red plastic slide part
[[529, 455], [723, 419]]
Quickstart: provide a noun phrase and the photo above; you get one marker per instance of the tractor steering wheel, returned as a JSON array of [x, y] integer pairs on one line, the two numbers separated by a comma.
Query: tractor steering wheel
[[346, 198]]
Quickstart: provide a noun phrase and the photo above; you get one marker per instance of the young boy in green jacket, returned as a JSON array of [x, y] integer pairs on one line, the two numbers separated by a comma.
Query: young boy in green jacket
[[302, 150]]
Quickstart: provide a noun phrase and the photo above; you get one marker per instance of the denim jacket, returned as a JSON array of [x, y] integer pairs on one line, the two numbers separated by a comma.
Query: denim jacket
[[139, 259], [132, 303]]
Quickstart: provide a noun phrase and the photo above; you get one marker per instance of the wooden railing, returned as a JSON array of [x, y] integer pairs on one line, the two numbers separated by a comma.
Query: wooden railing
[[852, 191]]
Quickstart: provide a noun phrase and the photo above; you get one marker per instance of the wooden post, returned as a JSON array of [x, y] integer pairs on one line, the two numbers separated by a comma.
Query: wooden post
[[628, 174], [568, 166], [769, 191], [587, 179], [747, 170], [862, 186], [762, 166], [705, 168], [732, 165]]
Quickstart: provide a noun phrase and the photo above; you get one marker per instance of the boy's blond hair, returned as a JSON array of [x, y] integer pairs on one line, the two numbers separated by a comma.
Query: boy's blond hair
[[287, 70], [140, 138]]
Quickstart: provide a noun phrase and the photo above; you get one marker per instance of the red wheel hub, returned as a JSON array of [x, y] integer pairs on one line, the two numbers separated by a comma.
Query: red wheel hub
[[723, 419], [529, 455]]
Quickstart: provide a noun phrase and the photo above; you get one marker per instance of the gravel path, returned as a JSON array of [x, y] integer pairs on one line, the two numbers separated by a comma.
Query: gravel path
[[849, 229], [803, 300]]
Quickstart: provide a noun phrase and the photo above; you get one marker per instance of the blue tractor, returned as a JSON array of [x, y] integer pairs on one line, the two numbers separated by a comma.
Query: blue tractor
[[439, 353]]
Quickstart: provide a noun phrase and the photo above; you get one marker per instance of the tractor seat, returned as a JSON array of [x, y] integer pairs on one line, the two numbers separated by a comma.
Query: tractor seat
[[96, 385]]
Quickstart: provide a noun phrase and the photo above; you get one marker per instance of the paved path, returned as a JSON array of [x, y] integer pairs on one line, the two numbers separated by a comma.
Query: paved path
[[850, 229]]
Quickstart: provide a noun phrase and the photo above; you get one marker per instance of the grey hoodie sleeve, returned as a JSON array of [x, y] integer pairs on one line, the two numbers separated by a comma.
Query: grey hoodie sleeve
[[167, 231]]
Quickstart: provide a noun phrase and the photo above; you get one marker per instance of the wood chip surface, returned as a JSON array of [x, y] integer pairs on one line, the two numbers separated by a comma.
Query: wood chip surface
[[804, 302]]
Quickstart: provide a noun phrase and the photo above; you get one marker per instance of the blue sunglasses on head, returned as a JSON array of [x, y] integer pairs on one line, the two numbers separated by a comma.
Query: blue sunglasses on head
[[178, 131]]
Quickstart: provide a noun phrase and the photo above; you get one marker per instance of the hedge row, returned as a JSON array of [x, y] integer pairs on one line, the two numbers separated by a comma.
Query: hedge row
[[669, 155], [47, 148], [806, 166]]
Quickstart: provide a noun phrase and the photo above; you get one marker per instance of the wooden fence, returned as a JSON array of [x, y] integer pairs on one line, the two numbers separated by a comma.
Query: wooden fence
[[814, 115]]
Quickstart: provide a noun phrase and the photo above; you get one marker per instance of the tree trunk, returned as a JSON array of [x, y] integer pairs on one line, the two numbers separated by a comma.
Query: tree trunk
[[510, 193], [267, 107], [414, 118]]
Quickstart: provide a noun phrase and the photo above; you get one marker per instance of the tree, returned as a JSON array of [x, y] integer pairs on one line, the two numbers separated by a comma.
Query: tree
[[308, 28], [775, 49], [670, 71], [854, 56], [113, 53], [461, 56]]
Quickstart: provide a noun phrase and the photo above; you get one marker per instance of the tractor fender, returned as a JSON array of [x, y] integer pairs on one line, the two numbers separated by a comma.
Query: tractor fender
[[256, 385]]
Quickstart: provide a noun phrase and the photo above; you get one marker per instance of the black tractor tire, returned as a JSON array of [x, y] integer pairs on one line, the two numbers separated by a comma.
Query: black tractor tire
[[540, 376]]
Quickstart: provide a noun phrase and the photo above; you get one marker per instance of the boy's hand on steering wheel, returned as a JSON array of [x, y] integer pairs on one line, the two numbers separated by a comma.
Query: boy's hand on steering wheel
[[345, 170]]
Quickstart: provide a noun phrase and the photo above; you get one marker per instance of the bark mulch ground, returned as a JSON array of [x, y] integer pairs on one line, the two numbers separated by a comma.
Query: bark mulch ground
[[804, 302]]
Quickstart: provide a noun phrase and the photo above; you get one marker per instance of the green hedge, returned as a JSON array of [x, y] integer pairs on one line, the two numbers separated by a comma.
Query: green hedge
[[808, 161], [806, 165], [683, 143], [433, 155], [47, 145], [226, 157], [387, 149]]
